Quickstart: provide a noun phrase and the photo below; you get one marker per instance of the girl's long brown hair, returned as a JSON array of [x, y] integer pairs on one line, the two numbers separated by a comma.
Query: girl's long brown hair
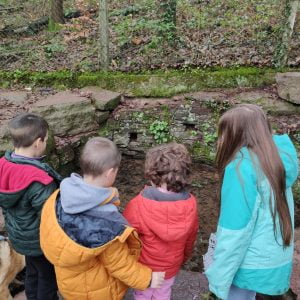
[[247, 126]]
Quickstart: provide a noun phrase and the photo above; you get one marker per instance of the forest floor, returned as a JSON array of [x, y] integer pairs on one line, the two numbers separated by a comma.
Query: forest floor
[[209, 33]]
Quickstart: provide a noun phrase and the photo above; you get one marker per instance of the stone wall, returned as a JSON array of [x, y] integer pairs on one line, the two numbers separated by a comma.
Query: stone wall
[[136, 124]]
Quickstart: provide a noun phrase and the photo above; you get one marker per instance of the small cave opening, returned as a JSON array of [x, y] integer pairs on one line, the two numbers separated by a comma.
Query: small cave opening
[[133, 137], [189, 126]]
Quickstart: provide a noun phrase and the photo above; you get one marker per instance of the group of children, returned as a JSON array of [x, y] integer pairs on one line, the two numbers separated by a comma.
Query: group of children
[[76, 241]]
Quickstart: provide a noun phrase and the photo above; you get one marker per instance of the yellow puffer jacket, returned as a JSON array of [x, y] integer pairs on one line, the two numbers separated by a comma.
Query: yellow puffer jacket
[[102, 273]]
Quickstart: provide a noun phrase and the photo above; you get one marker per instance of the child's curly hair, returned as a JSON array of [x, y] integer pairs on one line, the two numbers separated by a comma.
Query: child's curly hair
[[169, 164]]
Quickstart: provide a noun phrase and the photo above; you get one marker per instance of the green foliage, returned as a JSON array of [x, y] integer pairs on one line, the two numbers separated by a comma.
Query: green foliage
[[193, 133], [209, 133], [159, 31], [160, 131], [54, 49], [53, 27], [218, 107], [205, 149], [168, 28], [128, 10], [202, 152], [138, 116], [231, 14]]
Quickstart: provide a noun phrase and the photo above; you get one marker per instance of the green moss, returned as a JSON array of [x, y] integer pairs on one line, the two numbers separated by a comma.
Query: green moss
[[38, 78], [4, 84], [50, 143], [60, 87], [103, 131], [106, 130], [87, 80], [202, 152], [53, 160], [147, 84]]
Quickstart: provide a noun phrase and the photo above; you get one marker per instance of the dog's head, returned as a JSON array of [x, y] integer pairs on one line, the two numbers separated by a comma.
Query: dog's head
[[11, 262]]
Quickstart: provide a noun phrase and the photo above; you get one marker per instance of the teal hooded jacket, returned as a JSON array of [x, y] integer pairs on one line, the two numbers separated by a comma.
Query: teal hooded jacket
[[249, 253], [25, 185]]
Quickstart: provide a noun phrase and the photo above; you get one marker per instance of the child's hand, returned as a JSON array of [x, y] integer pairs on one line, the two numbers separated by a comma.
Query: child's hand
[[157, 279]]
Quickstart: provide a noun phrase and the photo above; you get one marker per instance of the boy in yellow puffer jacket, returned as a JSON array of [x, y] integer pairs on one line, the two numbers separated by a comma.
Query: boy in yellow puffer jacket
[[92, 247]]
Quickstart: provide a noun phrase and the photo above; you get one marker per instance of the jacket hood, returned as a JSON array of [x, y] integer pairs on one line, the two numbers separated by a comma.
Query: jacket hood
[[78, 196], [289, 158], [168, 219], [59, 248], [15, 178]]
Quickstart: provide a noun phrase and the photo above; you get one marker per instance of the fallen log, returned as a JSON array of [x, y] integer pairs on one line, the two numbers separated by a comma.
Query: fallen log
[[36, 26], [10, 9]]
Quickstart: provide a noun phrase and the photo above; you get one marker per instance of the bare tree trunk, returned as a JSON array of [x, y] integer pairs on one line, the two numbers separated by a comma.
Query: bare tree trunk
[[104, 40], [57, 12], [282, 51]]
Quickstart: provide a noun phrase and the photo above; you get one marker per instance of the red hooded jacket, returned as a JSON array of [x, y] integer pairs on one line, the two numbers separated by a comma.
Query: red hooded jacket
[[168, 230]]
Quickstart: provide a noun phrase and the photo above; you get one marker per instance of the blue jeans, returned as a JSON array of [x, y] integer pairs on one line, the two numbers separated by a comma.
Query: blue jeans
[[236, 293]]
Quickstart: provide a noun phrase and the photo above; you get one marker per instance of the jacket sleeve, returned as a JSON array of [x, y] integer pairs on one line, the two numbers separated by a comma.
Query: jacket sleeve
[[192, 237], [38, 193], [236, 223], [288, 155], [123, 266]]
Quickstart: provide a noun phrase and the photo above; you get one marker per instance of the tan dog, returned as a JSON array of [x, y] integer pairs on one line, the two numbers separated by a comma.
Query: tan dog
[[11, 263]]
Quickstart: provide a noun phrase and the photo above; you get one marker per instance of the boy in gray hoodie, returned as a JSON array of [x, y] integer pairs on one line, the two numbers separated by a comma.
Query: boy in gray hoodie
[[103, 261]]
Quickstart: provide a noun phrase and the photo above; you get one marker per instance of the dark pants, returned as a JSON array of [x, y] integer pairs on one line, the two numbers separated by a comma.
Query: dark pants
[[40, 280]]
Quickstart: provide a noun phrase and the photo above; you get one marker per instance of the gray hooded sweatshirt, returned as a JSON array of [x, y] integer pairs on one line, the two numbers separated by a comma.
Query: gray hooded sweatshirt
[[87, 213]]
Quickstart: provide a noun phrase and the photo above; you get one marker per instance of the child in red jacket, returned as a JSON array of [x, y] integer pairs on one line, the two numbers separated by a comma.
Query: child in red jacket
[[165, 216]]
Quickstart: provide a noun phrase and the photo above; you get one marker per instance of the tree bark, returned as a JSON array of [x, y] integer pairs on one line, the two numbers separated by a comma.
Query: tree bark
[[103, 38], [57, 11], [282, 51]]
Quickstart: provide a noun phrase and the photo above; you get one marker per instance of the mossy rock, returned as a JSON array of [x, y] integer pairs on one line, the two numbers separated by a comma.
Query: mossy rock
[[66, 154], [50, 142], [149, 84], [53, 160], [269, 102]]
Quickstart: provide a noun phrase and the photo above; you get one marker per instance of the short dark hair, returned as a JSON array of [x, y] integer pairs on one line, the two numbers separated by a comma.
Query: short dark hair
[[99, 155], [169, 164], [26, 128]]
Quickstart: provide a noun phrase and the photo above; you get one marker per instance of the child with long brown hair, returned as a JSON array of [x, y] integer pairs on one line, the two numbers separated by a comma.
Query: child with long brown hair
[[254, 247], [165, 216]]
